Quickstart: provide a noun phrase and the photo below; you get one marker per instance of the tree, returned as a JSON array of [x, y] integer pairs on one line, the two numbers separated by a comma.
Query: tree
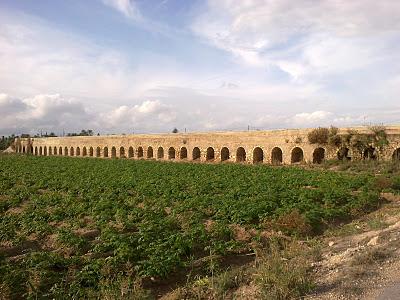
[[175, 130], [6, 142]]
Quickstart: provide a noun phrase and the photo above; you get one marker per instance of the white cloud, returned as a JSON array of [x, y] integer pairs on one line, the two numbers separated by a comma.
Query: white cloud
[[312, 117], [127, 7], [148, 114], [302, 37], [42, 112]]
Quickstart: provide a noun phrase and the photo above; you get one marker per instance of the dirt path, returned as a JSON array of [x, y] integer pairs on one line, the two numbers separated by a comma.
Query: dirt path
[[364, 264]]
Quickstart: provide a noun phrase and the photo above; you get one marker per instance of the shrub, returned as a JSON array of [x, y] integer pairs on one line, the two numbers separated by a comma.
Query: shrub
[[293, 222], [334, 139], [382, 183], [284, 274], [319, 135]]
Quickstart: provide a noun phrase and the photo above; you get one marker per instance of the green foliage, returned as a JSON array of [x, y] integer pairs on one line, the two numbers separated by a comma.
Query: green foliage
[[334, 139], [319, 135], [379, 136], [6, 141], [71, 225]]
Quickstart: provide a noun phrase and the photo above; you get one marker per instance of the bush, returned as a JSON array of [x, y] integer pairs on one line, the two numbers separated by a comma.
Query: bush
[[319, 135]]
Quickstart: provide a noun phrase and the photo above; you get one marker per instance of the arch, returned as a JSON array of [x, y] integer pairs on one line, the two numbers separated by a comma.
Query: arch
[[240, 154], [44, 151], [91, 151], [343, 154], [396, 154], [224, 154], [160, 153], [297, 155], [369, 153], [23, 149], [84, 151], [105, 152], [183, 153], [171, 153], [55, 150], [113, 152], [66, 151], [130, 152], [196, 153], [71, 151], [210, 155], [36, 150], [60, 150], [50, 151], [40, 150], [121, 152], [31, 149], [149, 152], [258, 155], [276, 156], [318, 155], [98, 152], [140, 152], [78, 151]]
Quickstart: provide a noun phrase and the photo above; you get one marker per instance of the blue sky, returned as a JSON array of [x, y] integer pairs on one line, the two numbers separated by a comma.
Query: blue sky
[[120, 66]]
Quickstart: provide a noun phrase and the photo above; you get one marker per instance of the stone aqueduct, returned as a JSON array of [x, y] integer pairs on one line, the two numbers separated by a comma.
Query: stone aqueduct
[[270, 147]]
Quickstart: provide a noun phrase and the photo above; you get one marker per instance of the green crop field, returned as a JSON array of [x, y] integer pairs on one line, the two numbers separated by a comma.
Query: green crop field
[[69, 227]]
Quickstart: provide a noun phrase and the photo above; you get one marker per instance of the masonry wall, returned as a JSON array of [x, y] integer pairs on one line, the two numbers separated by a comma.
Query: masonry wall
[[258, 146]]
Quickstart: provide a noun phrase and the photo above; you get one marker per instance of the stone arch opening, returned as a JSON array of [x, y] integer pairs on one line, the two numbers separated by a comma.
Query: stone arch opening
[[150, 153], [60, 151], [121, 152], [160, 153], [171, 153], [276, 156], [105, 152], [44, 151], [140, 152], [55, 150], [78, 151], [23, 149], [224, 154], [210, 155], [36, 150], [71, 151], [297, 155], [91, 151], [183, 153], [240, 154], [40, 150], [66, 151], [130, 152], [196, 153], [258, 155], [31, 149], [113, 152], [98, 152], [369, 153], [343, 154], [318, 155], [50, 151], [84, 151], [396, 154]]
